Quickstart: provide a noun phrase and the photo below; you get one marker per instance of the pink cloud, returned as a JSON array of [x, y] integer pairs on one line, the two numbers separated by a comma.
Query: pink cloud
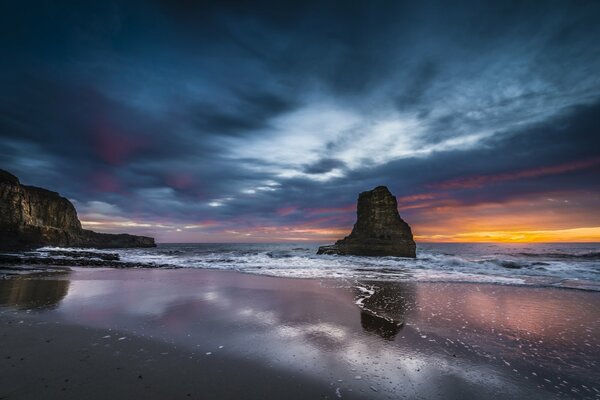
[[282, 212], [105, 182], [476, 181], [114, 146]]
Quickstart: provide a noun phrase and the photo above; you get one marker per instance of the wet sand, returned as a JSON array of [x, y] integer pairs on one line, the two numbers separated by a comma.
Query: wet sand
[[100, 333]]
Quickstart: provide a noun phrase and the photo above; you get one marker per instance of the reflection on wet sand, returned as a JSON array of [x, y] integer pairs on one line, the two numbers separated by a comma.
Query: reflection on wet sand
[[32, 293], [439, 340], [385, 328], [384, 309]]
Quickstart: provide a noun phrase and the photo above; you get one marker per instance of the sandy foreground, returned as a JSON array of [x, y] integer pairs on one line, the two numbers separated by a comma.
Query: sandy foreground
[[168, 334]]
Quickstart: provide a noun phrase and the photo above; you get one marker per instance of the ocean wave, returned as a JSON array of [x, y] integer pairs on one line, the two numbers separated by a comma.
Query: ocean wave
[[594, 255], [562, 267]]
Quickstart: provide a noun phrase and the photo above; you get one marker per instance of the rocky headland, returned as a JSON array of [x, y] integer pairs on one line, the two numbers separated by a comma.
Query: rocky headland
[[378, 231], [32, 217]]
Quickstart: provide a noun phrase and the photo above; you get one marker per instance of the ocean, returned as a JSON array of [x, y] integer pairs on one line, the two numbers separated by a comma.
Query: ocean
[[568, 265]]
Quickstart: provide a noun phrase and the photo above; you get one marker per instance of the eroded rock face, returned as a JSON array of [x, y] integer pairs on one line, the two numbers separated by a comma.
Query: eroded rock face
[[379, 230], [33, 217]]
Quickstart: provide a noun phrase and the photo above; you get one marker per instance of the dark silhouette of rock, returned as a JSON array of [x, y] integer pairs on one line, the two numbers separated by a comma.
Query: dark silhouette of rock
[[379, 230], [27, 261], [83, 254], [32, 217]]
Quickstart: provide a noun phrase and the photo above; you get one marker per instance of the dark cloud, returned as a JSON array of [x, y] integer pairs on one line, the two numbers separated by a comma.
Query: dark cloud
[[246, 113], [323, 166], [418, 83], [569, 137], [190, 110]]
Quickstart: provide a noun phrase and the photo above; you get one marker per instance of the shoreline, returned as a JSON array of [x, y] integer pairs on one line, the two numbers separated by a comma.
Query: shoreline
[[24, 271], [413, 339], [574, 266]]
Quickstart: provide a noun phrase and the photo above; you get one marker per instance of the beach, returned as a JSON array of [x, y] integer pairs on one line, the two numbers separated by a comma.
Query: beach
[[196, 333]]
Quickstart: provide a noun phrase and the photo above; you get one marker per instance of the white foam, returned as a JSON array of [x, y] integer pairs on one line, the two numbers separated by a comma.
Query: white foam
[[485, 265]]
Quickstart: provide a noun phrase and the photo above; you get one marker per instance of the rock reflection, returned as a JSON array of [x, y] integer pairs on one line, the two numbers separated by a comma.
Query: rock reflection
[[385, 328], [384, 306], [32, 293]]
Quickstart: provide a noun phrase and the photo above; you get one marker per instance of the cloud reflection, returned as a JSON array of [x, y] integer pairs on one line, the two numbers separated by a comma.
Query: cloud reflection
[[471, 333]]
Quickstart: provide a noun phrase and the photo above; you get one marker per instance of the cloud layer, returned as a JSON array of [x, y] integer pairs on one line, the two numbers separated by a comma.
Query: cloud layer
[[212, 121]]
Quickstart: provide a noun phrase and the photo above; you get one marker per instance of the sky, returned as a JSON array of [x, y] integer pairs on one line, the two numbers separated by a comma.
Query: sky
[[224, 121]]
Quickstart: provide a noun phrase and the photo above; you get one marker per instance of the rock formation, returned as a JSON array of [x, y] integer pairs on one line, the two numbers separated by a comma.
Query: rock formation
[[379, 230], [33, 217]]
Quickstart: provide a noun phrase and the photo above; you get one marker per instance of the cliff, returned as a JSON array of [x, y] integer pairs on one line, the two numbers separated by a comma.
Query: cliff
[[379, 230], [33, 217]]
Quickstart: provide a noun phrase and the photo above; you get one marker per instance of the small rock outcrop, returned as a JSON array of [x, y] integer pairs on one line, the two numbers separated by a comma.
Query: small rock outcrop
[[33, 217], [379, 230]]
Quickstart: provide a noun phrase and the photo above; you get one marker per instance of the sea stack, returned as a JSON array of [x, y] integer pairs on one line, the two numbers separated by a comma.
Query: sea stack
[[32, 217], [378, 231]]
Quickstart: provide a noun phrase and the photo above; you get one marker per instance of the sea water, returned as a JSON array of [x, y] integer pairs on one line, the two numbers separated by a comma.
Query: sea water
[[573, 265]]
